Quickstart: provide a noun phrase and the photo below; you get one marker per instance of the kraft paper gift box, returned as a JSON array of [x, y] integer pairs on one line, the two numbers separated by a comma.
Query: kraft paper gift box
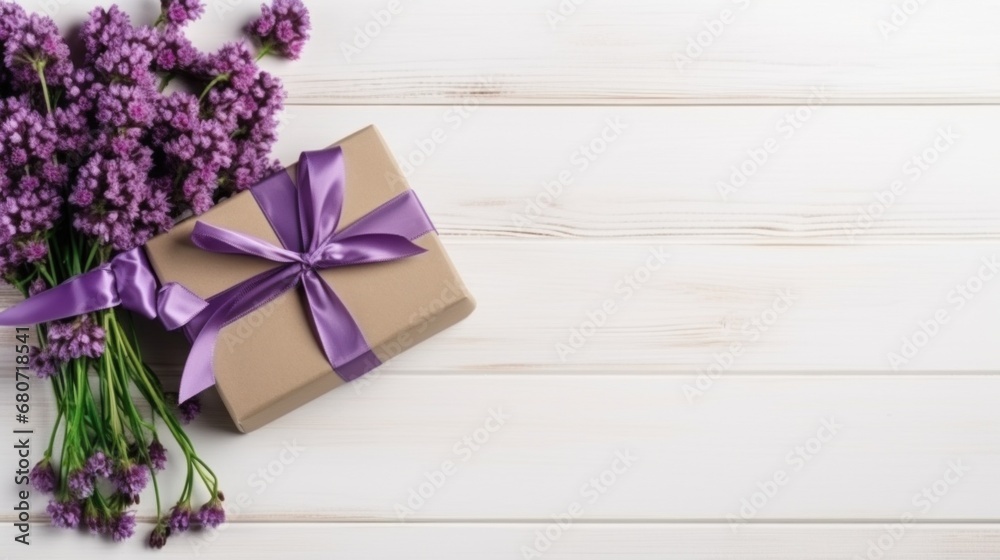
[[269, 361]]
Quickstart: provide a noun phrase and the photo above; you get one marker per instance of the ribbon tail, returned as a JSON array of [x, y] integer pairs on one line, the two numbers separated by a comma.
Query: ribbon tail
[[198, 372], [85, 293], [220, 240], [338, 333], [366, 249], [403, 215]]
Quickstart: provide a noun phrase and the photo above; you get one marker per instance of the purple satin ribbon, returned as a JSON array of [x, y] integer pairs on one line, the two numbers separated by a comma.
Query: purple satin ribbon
[[305, 220], [126, 280]]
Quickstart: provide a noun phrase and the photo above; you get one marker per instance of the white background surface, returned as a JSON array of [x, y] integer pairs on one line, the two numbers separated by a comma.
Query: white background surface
[[506, 95]]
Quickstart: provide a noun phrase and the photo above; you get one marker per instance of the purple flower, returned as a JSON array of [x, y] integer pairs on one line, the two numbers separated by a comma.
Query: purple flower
[[64, 514], [211, 514], [283, 27], [37, 286], [34, 250], [118, 51], [253, 116], [118, 204], [43, 362], [93, 519], [199, 148], [199, 189], [96, 524], [157, 455], [189, 410], [124, 106], [158, 538], [72, 117], [34, 45], [31, 183], [43, 477], [122, 526], [12, 16], [233, 62], [30, 137], [180, 12], [104, 27], [80, 337], [118, 198], [174, 51], [99, 465], [180, 518], [130, 479], [81, 484]]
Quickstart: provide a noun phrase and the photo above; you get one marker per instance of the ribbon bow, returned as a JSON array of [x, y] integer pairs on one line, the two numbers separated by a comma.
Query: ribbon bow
[[306, 223], [305, 220]]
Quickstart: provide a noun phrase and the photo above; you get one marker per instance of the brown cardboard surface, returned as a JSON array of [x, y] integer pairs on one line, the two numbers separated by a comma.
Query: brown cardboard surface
[[268, 362]]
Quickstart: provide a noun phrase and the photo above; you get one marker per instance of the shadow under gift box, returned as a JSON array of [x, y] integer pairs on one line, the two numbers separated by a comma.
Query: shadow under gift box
[[269, 362]]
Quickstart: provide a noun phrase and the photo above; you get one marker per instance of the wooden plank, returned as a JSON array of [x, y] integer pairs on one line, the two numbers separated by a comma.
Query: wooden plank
[[836, 175], [517, 172], [612, 306], [626, 51], [502, 542], [612, 447]]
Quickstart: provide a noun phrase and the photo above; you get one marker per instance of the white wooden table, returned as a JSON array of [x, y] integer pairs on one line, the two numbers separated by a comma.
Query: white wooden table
[[772, 204]]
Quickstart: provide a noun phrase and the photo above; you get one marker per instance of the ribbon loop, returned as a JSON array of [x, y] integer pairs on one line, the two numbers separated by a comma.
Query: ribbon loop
[[126, 280], [219, 240]]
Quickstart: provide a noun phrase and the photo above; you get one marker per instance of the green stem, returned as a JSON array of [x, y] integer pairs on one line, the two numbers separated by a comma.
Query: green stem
[[40, 69], [164, 82], [188, 483], [48, 276], [265, 49], [90, 257], [218, 79], [156, 491], [110, 402], [142, 377], [52, 436]]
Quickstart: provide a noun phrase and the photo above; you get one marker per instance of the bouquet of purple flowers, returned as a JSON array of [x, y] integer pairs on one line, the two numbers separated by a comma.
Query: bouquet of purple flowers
[[100, 152]]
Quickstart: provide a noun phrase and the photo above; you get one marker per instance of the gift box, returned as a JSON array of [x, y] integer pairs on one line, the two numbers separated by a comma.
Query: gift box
[[272, 348]]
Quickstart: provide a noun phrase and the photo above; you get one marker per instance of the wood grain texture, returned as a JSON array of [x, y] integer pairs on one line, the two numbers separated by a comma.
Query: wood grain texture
[[613, 51], [498, 113], [850, 309], [526, 448], [626, 51], [668, 175], [366, 541], [542, 307]]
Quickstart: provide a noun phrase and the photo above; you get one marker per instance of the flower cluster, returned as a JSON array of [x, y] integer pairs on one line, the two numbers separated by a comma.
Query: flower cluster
[[283, 28], [101, 151], [34, 49], [180, 12], [32, 183], [67, 341], [74, 507]]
